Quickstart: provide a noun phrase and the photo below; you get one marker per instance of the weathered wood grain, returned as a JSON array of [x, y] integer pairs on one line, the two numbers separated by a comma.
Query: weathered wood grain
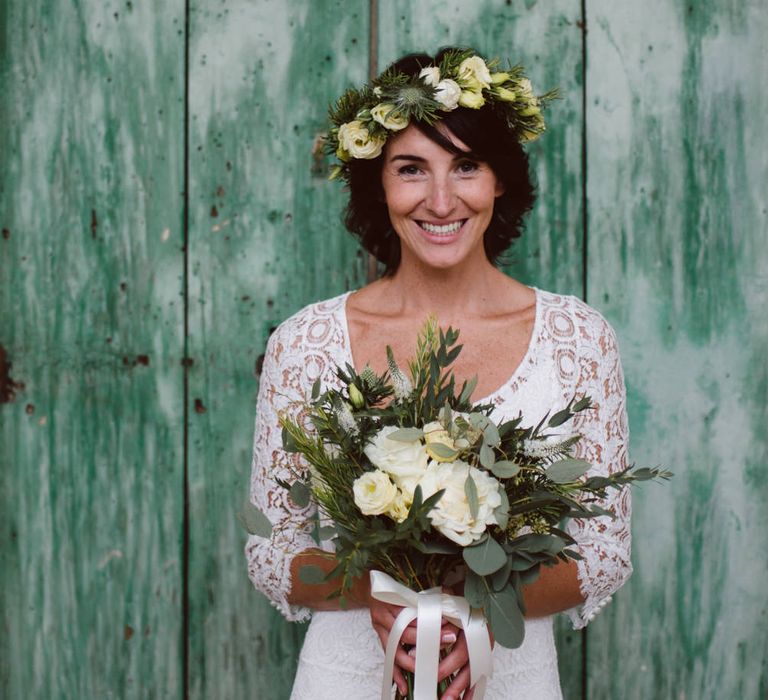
[[547, 39], [90, 465], [265, 239], [678, 261]]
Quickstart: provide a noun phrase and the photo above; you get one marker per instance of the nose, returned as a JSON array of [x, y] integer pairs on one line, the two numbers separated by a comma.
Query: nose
[[441, 198]]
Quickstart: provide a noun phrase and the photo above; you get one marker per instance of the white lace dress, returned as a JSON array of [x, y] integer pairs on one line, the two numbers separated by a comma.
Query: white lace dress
[[572, 352]]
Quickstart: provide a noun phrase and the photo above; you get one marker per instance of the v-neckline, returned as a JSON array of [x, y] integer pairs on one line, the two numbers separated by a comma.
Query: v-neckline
[[518, 372]]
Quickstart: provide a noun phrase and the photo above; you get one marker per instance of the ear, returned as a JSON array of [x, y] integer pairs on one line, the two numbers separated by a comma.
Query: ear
[[500, 189]]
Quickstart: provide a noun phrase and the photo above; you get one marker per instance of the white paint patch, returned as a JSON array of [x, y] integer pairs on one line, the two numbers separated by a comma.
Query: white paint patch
[[108, 557]]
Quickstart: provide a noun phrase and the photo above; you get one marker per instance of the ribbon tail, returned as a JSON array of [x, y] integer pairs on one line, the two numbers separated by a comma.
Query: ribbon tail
[[429, 622], [406, 616]]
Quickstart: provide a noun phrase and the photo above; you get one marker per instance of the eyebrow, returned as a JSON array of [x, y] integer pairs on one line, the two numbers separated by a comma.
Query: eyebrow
[[419, 159]]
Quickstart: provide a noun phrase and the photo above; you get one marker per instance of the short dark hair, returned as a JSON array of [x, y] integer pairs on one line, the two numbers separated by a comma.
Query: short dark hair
[[489, 140]]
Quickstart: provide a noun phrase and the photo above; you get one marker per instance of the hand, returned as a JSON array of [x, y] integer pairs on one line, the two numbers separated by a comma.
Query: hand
[[383, 617], [457, 661]]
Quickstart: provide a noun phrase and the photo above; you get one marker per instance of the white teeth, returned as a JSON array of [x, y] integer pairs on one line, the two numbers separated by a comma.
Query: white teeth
[[448, 228]]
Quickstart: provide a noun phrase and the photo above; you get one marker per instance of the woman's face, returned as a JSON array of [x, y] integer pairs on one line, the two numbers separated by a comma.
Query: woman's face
[[440, 203]]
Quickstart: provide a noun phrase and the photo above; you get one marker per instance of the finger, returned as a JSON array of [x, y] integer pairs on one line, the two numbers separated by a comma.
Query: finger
[[399, 678], [457, 686], [455, 659], [404, 660]]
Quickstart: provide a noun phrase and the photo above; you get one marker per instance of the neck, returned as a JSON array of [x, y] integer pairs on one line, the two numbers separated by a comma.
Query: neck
[[470, 288]]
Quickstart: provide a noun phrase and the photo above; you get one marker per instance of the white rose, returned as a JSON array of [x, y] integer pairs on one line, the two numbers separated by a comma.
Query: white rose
[[451, 516], [473, 72], [355, 140], [430, 75], [386, 115], [374, 492], [447, 93], [434, 432], [404, 461], [398, 509]]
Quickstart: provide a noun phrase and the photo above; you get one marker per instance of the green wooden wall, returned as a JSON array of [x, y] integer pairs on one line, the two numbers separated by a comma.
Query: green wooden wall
[[161, 210]]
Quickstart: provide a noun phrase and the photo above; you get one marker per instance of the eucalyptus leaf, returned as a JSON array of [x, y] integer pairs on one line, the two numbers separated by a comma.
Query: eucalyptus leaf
[[528, 576], [253, 520], [289, 444], [491, 435], [504, 469], [439, 449], [478, 420], [487, 457], [501, 513], [475, 590], [505, 618], [311, 574], [300, 494], [435, 547], [326, 532], [486, 557], [406, 434], [567, 470], [500, 578], [470, 490]]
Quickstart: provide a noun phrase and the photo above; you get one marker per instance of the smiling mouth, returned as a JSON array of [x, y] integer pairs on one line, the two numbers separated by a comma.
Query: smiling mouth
[[445, 230]]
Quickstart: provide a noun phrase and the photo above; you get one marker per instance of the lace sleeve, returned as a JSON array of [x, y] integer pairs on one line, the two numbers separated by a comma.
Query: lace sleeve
[[269, 559], [604, 543]]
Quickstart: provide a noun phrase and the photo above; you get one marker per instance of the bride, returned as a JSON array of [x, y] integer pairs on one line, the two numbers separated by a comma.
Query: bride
[[439, 185]]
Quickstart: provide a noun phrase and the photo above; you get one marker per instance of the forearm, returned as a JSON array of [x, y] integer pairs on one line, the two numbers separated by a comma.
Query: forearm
[[316, 595], [556, 589]]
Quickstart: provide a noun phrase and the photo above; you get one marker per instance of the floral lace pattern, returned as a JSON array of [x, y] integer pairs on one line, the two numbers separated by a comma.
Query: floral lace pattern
[[572, 352]]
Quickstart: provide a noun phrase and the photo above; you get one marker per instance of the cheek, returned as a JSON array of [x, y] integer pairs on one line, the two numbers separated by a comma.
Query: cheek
[[399, 200]]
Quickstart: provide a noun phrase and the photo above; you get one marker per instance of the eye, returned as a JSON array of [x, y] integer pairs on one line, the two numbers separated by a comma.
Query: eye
[[467, 167], [409, 169]]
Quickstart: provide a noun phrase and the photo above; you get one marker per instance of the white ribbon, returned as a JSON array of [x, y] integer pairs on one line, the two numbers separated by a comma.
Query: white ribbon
[[429, 608]]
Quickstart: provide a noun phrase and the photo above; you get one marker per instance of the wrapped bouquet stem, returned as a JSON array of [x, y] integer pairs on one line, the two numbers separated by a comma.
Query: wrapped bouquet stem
[[430, 607]]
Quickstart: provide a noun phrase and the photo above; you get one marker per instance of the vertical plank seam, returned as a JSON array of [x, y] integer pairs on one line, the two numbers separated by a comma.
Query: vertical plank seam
[[373, 69], [185, 377], [584, 173], [584, 265]]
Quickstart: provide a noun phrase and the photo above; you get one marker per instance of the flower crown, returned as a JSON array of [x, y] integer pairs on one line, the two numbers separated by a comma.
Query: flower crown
[[363, 119]]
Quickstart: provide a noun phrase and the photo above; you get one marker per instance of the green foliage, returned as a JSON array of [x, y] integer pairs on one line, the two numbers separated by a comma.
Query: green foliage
[[505, 618], [540, 482], [253, 520], [485, 557]]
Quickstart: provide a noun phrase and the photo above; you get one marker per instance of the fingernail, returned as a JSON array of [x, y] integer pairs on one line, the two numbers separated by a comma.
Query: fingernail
[[449, 638]]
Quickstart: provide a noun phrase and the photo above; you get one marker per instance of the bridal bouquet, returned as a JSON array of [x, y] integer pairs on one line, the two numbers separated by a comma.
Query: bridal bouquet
[[420, 486]]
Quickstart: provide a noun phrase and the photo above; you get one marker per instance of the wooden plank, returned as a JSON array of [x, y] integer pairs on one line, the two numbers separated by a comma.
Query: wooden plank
[[265, 239], [544, 37], [90, 467], [677, 259]]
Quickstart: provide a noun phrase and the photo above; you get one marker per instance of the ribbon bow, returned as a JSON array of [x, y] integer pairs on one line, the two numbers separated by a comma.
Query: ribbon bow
[[429, 607]]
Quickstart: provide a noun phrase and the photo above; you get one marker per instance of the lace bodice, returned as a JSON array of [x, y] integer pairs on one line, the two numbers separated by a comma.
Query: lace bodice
[[572, 352]]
